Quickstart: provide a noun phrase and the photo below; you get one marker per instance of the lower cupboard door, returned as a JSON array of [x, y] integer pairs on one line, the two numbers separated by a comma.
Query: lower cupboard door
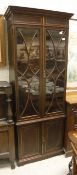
[[54, 134], [29, 141]]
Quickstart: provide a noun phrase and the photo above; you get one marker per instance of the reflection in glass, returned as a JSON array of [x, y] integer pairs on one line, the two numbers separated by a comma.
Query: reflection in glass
[[55, 70], [28, 70]]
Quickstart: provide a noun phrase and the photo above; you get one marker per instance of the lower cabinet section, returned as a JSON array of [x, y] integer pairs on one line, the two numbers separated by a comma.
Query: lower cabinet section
[[41, 140]]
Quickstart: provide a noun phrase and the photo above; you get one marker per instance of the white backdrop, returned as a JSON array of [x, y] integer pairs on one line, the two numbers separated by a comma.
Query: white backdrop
[[58, 5]]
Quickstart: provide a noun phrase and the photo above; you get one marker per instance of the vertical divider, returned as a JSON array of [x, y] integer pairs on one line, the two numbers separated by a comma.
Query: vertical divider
[[42, 88]]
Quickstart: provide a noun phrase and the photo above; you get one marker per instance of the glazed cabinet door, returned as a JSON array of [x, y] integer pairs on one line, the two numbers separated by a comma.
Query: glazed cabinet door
[[40, 71], [55, 68], [29, 142], [28, 71]]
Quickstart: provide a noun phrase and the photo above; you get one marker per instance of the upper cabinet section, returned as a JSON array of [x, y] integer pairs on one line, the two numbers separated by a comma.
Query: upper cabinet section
[[38, 47]]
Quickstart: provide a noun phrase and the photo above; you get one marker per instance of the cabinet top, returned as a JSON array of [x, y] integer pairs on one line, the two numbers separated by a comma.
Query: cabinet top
[[4, 84], [26, 10], [71, 98]]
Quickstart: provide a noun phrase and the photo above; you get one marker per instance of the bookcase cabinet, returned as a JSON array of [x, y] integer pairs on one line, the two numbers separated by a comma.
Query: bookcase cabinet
[[37, 49]]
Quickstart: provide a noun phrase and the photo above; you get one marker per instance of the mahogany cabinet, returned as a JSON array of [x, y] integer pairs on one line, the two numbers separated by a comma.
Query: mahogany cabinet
[[37, 49], [7, 144], [71, 119]]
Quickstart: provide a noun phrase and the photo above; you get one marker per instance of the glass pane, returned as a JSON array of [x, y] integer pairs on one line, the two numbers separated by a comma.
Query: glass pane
[[55, 70], [28, 71]]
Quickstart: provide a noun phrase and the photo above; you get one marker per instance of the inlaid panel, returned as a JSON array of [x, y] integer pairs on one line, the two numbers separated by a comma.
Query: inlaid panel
[[4, 141], [54, 135], [29, 140]]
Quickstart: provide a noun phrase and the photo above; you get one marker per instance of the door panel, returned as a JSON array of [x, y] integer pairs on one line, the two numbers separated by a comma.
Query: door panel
[[54, 133], [4, 142], [29, 140]]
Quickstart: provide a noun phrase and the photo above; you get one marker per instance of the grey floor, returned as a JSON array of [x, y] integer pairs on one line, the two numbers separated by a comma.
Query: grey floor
[[57, 165]]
